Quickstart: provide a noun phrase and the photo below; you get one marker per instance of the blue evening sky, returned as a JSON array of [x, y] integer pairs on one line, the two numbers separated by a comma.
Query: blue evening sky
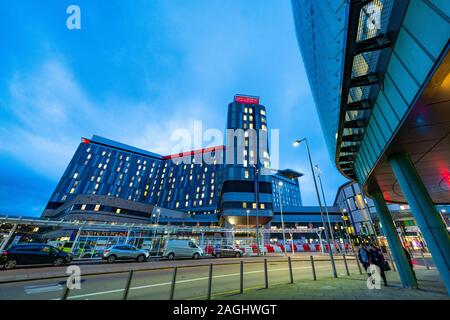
[[136, 71]]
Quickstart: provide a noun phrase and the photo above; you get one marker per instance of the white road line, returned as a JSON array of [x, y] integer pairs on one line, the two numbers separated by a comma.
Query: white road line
[[183, 281], [43, 288]]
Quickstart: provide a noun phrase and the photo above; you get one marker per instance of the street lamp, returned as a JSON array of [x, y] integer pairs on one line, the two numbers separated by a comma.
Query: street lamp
[[280, 185], [256, 168], [248, 228], [158, 210], [296, 144], [319, 174]]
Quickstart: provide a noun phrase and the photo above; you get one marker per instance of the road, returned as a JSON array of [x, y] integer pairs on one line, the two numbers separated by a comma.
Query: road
[[155, 283]]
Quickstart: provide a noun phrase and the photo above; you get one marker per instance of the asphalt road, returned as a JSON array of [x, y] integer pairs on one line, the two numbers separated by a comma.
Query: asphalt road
[[192, 279]]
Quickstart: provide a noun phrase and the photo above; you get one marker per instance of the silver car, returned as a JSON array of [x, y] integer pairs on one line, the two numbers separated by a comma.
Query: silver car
[[125, 252]]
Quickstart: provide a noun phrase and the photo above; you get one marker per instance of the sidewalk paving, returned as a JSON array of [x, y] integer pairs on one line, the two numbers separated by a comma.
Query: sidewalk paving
[[349, 288]]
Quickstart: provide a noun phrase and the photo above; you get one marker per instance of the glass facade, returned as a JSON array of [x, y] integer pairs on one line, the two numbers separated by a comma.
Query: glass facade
[[321, 32], [367, 64]]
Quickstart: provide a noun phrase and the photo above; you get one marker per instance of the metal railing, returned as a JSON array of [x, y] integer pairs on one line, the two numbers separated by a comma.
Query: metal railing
[[286, 272]]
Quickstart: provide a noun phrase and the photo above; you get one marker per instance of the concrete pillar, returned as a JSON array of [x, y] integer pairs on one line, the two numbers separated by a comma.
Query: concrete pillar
[[404, 270], [425, 213]]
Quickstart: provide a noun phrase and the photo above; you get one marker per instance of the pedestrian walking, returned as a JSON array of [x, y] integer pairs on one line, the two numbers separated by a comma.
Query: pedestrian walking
[[363, 256], [376, 257]]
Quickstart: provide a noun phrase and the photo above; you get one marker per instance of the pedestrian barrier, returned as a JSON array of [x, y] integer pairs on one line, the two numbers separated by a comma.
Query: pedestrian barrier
[[284, 266]]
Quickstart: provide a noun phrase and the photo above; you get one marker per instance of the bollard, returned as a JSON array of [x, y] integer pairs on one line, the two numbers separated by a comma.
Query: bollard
[[210, 281], [127, 286], [424, 261], [357, 263], [241, 289], [346, 265], [291, 276], [174, 279], [65, 294], [313, 269], [266, 277]]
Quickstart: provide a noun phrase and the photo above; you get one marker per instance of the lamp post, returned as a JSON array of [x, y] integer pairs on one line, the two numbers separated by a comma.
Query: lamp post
[[319, 174], [248, 227], [158, 210], [280, 185], [297, 143], [256, 171]]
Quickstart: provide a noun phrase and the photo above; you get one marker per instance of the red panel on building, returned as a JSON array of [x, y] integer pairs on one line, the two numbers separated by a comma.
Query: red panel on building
[[86, 141], [194, 152], [246, 99]]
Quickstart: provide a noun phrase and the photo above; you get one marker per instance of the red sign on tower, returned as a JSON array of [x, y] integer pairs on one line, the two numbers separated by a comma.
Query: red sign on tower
[[246, 99]]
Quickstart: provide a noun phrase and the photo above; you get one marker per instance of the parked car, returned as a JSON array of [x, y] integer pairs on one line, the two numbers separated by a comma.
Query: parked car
[[31, 254], [226, 251], [182, 249], [125, 252]]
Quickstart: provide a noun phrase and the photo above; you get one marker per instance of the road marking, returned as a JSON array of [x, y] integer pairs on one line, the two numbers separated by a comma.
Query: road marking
[[43, 288], [182, 281]]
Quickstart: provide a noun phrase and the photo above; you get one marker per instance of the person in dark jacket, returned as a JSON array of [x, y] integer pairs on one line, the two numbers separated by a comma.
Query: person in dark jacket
[[363, 256], [377, 258], [408, 257]]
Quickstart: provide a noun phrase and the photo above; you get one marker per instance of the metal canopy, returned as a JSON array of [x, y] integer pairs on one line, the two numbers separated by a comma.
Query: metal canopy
[[373, 27]]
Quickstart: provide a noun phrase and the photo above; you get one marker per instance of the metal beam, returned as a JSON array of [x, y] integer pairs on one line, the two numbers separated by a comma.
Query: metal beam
[[355, 124], [349, 149], [346, 158], [359, 105], [352, 138], [365, 80], [372, 44]]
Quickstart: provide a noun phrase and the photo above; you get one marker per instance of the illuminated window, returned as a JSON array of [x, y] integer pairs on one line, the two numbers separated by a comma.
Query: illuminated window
[[72, 190], [246, 174], [97, 207], [245, 110], [244, 117], [263, 112], [254, 205], [118, 210], [83, 207], [262, 206], [75, 175], [244, 205]]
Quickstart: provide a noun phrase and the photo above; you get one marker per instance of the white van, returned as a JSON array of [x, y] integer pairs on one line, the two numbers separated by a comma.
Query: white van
[[182, 249]]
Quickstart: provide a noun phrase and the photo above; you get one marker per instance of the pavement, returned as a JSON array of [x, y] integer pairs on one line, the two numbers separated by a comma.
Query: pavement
[[153, 281]]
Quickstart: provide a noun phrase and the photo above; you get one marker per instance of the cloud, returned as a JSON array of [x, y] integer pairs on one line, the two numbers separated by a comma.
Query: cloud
[[49, 111]]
